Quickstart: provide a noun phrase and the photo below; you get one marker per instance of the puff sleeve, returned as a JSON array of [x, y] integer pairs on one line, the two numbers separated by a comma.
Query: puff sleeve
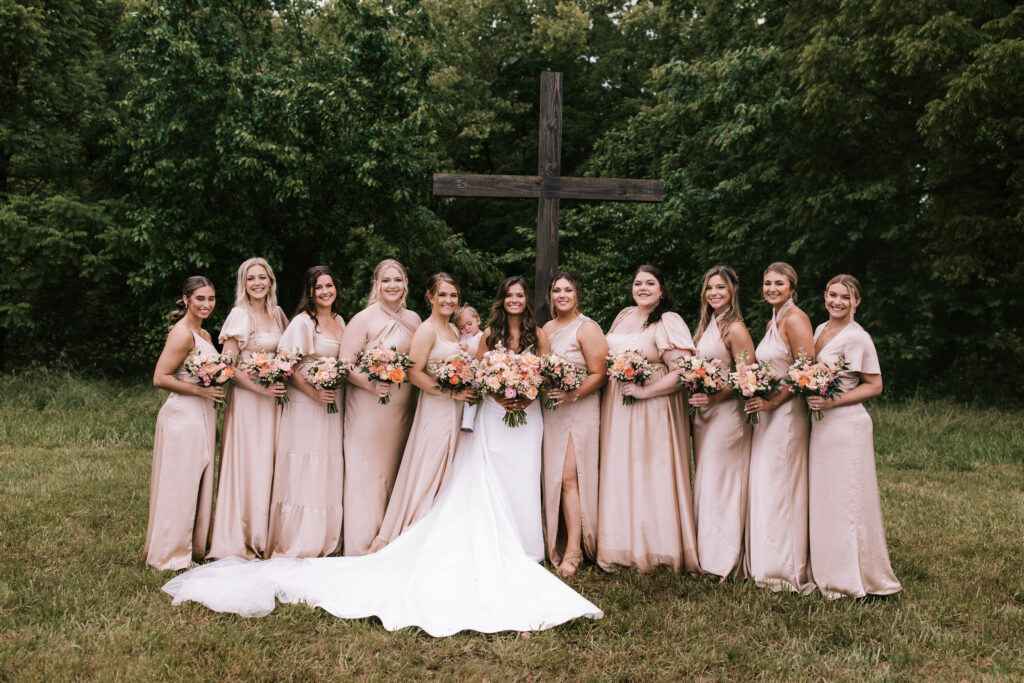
[[860, 353], [238, 326], [298, 335], [672, 333]]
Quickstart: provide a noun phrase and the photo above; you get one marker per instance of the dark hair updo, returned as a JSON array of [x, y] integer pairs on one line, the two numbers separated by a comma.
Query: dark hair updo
[[187, 290]]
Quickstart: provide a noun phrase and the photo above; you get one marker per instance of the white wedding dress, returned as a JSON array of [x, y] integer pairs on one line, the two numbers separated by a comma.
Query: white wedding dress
[[462, 567]]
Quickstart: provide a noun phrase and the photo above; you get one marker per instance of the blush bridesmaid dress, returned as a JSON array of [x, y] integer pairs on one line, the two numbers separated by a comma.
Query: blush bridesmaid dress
[[309, 470], [375, 437], [577, 423], [242, 517], [645, 512], [428, 454], [776, 539], [849, 556], [181, 487], [721, 440]]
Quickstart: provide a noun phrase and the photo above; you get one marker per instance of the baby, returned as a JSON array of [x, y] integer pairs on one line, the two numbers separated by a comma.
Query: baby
[[467, 320]]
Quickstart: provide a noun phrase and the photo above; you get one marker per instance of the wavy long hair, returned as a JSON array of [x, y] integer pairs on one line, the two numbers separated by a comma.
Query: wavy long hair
[[242, 296], [378, 273], [307, 303], [189, 287], [498, 319], [732, 313], [666, 303], [576, 288]]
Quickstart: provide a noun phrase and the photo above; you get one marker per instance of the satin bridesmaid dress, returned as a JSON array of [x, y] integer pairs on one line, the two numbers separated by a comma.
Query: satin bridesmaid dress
[[721, 440], [309, 470], [181, 486], [577, 423], [428, 454], [776, 539], [375, 437], [849, 556], [645, 511], [242, 516]]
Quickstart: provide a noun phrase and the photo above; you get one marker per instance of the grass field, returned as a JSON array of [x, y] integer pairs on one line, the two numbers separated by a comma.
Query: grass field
[[76, 601]]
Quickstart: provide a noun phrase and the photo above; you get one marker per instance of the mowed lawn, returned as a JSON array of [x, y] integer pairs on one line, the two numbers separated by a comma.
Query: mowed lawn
[[76, 601]]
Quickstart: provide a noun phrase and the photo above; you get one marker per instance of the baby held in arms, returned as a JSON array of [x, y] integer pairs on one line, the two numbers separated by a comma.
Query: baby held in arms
[[467, 320]]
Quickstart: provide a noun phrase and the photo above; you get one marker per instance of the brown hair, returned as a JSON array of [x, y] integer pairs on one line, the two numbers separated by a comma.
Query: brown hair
[[434, 283], [498, 320], [576, 288], [732, 314], [785, 270], [307, 303], [850, 282], [665, 303], [187, 290]]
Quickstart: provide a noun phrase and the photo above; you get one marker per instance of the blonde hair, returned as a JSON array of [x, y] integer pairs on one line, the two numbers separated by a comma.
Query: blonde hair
[[465, 310], [378, 273], [242, 296], [732, 314], [850, 282], [785, 270]]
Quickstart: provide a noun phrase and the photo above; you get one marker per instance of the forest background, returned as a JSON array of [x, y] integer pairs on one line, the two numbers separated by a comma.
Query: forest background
[[142, 142]]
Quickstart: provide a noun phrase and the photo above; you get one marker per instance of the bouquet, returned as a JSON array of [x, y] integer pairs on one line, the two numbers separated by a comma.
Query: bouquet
[[755, 379], [512, 375], [327, 372], [210, 368], [267, 369], [453, 374], [558, 373], [701, 375], [385, 365], [806, 378], [629, 366]]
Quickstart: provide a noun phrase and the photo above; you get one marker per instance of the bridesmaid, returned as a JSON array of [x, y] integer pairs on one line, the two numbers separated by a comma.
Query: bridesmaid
[[305, 507], [181, 487], [776, 537], [645, 517], [375, 434], [571, 432], [256, 323], [515, 454], [721, 438], [435, 428], [848, 552]]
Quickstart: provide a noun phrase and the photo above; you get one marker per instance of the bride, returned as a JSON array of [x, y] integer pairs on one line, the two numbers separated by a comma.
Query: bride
[[470, 564]]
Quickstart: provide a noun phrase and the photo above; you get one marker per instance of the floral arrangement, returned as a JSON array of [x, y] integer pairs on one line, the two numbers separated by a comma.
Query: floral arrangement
[[327, 372], [385, 364], [511, 375], [453, 374], [807, 378], [701, 375], [754, 379], [210, 368], [559, 373], [629, 366], [266, 369]]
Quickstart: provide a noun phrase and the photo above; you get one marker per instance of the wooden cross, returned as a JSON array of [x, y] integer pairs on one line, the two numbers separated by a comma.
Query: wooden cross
[[548, 186]]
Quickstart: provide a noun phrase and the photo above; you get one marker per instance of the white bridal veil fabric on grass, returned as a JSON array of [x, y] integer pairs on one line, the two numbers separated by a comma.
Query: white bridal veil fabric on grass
[[461, 567]]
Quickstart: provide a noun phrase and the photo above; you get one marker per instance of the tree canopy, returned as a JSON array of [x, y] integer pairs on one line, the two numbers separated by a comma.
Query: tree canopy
[[141, 142]]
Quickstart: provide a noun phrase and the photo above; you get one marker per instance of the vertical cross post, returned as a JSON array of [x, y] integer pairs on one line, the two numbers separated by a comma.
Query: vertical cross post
[[549, 165]]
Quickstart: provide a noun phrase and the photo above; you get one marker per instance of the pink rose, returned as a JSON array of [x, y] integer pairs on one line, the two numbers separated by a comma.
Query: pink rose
[[510, 392]]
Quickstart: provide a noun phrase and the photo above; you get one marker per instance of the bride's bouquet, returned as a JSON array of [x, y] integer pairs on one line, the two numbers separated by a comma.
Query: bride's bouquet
[[453, 374], [755, 379], [629, 366], [806, 378], [559, 373], [385, 364], [701, 375], [510, 375], [266, 369], [327, 372]]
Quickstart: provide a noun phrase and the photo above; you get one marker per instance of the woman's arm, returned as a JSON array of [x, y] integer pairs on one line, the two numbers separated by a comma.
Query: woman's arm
[[870, 386], [664, 385], [242, 379], [177, 347], [595, 351]]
